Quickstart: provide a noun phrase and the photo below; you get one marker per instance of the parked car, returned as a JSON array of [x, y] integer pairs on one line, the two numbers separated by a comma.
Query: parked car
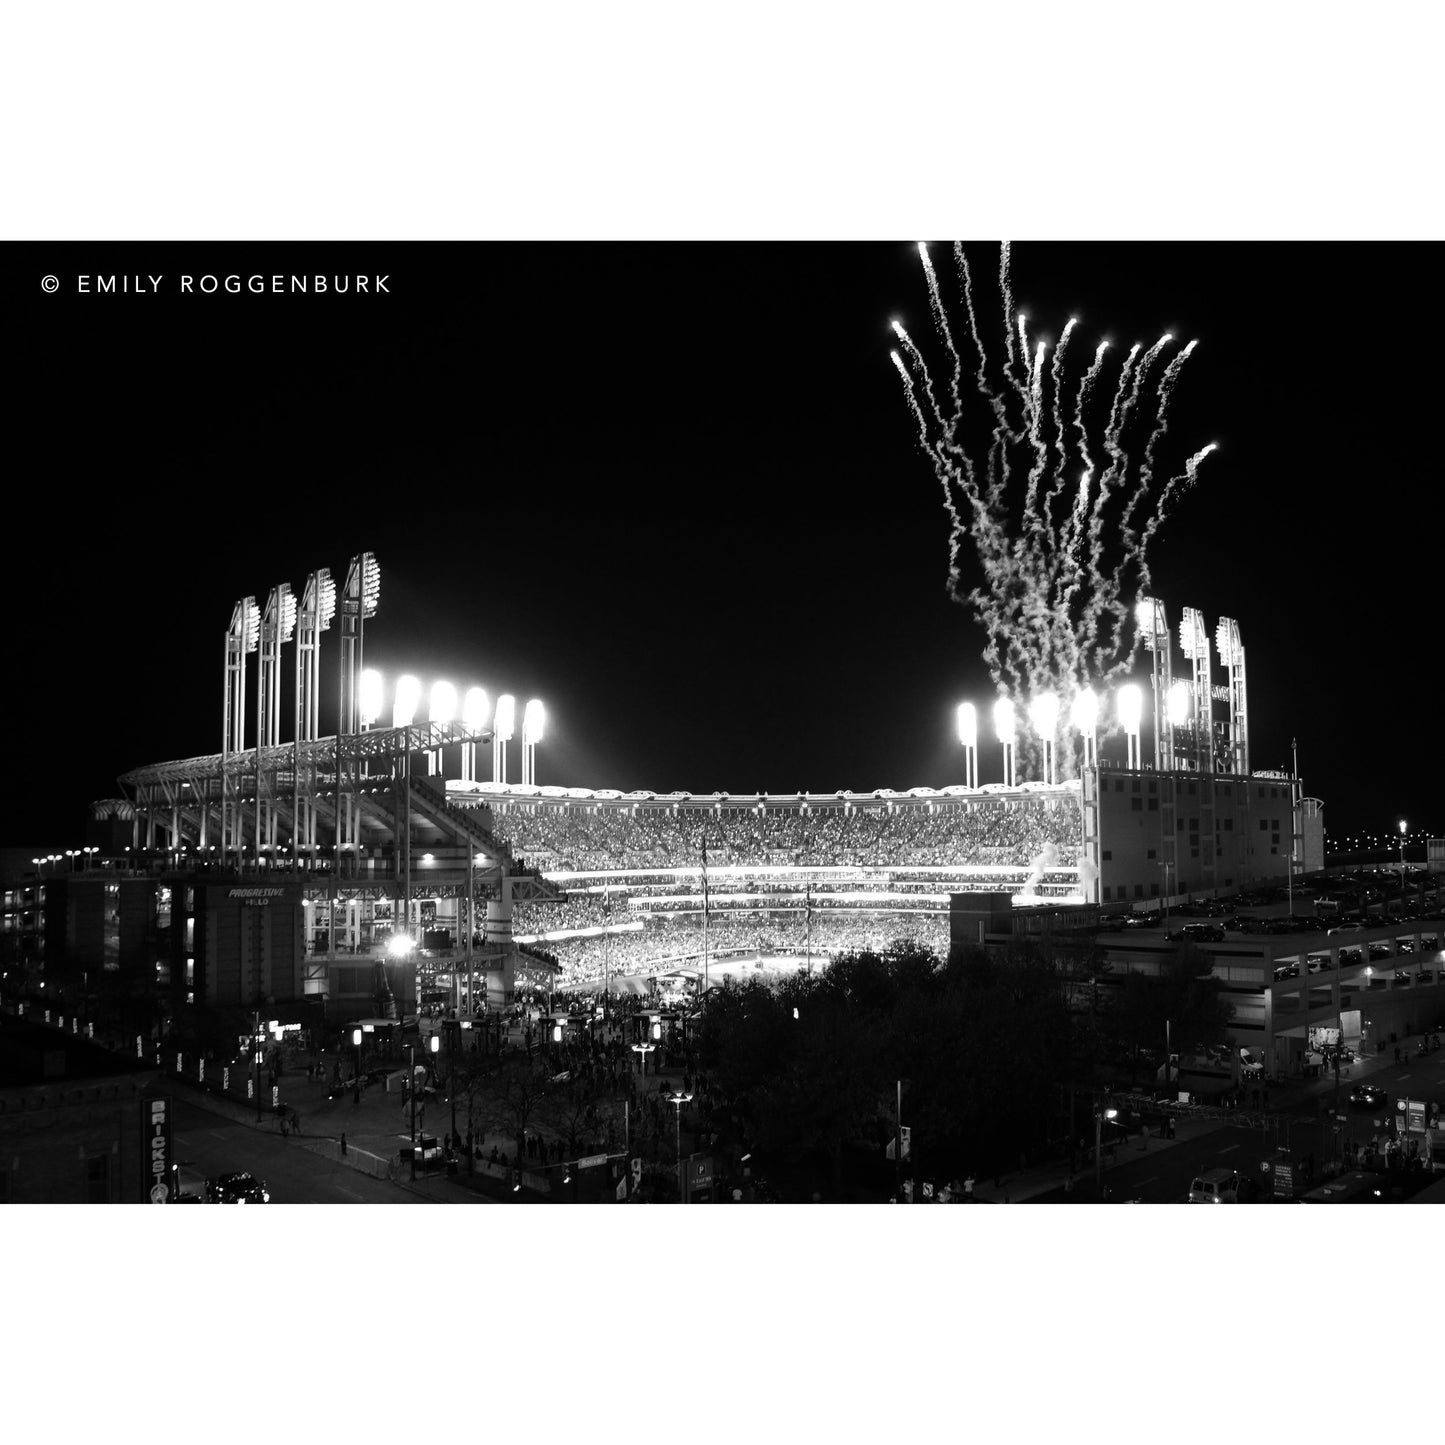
[[1215, 1186], [238, 1188], [1368, 1096]]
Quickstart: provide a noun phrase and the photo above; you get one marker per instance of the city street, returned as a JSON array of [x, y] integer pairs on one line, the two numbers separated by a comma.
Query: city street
[[293, 1174]]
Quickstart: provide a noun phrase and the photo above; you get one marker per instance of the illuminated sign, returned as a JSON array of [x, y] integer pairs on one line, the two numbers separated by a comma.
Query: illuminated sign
[[255, 897], [156, 1128]]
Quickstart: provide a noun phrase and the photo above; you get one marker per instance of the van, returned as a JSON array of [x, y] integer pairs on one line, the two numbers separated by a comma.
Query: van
[[1215, 1186]]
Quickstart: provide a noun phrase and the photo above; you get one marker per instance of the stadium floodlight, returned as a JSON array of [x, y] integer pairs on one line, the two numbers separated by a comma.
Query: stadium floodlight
[[370, 583], [503, 721], [968, 724], [325, 597], [968, 736], [443, 705], [403, 706], [1003, 722], [1084, 711], [1179, 703], [1044, 714], [475, 710], [370, 696], [398, 945], [506, 717], [532, 721], [1129, 707]]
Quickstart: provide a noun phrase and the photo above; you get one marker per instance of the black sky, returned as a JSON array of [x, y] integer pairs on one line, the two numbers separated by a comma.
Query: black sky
[[674, 491]]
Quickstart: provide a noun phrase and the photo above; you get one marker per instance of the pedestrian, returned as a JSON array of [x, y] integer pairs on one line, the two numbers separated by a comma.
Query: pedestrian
[[295, 1122], [343, 1141]]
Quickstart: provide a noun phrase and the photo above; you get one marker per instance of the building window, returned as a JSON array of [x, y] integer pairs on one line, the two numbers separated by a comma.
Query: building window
[[1153, 805], [1264, 825], [1134, 785], [1107, 855], [1106, 893], [1153, 890], [1229, 825], [1138, 890], [1136, 805], [1152, 853]]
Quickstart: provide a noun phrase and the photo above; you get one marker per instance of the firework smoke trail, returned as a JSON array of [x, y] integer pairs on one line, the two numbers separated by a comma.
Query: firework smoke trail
[[1048, 598], [1057, 373], [1161, 425], [940, 320], [1187, 478], [1113, 472]]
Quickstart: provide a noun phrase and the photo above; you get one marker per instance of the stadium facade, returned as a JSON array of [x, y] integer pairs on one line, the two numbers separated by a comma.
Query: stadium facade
[[335, 877]]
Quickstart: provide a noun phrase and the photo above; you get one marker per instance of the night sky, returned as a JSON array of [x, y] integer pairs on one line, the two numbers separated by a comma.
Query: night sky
[[674, 491]]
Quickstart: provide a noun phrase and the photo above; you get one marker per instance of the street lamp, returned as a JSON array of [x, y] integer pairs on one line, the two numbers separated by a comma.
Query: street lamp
[[433, 1043], [1402, 862], [356, 1077], [1099, 1116], [678, 1099], [644, 1049]]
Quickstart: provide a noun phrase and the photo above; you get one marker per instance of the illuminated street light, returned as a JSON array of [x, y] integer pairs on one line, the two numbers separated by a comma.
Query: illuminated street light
[[677, 1099], [1003, 724], [1402, 862], [399, 945], [1099, 1116], [1129, 706], [968, 736], [1044, 715]]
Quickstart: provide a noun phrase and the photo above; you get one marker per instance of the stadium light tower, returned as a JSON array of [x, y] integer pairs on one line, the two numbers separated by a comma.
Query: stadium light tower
[[533, 719], [1044, 715], [1003, 723], [502, 725], [1084, 714], [475, 710], [318, 607], [1402, 862], [404, 701], [968, 736], [370, 697], [1153, 627], [1231, 656], [358, 602], [1129, 706], [1194, 643], [277, 626], [242, 637], [1179, 704], [441, 711]]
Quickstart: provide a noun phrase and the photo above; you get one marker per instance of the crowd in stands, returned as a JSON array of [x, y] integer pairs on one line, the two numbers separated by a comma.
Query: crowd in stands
[[663, 946], [600, 837]]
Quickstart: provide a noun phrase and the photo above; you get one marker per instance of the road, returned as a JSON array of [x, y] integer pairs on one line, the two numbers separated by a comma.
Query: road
[[293, 1174]]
